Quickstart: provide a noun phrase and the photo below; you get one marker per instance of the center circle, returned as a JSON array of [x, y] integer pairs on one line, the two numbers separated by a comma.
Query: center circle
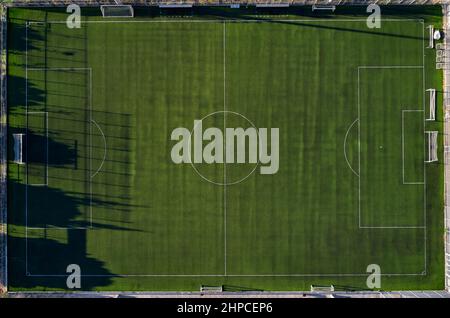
[[228, 177]]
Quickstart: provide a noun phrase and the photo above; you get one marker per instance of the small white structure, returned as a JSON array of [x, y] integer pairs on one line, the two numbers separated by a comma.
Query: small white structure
[[319, 288], [437, 35], [432, 146], [432, 113], [211, 289], [431, 37], [18, 148], [323, 7]]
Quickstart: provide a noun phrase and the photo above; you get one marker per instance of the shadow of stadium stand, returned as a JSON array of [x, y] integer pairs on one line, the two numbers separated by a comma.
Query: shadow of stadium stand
[[53, 256]]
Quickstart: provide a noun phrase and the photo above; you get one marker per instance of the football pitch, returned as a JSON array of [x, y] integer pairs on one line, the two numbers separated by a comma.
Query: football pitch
[[106, 110]]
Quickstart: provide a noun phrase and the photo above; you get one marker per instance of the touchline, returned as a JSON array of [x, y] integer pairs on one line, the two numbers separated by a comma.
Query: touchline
[[237, 141]]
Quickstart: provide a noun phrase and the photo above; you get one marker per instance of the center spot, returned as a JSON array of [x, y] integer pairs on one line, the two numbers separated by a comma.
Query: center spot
[[229, 171]]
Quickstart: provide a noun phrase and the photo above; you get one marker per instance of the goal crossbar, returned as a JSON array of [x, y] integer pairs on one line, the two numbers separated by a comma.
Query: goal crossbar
[[432, 114]]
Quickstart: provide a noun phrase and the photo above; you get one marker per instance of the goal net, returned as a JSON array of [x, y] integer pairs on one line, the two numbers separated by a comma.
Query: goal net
[[431, 140], [211, 289], [117, 11], [18, 148], [432, 113]]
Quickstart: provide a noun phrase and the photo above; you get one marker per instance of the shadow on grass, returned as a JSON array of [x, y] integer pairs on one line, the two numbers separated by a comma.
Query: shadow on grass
[[18, 34], [36, 144], [39, 253], [233, 288], [315, 25], [47, 206], [44, 266], [18, 93]]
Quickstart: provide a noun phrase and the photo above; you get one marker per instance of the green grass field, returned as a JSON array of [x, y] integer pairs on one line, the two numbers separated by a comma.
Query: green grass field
[[98, 105]]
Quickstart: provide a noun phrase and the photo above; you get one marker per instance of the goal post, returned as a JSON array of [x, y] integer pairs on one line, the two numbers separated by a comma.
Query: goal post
[[432, 146], [117, 11], [18, 148], [211, 289], [432, 103]]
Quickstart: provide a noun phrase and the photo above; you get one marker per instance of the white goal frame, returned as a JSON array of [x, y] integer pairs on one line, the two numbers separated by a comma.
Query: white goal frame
[[432, 114], [211, 289], [18, 148], [322, 288], [107, 6], [323, 7], [432, 146], [431, 38]]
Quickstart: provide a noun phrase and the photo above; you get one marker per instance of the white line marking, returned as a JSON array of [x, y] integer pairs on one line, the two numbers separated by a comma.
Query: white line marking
[[424, 153], [104, 150], [192, 163], [90, 147], [51, 227], [345, 146], [220, 21], [228, 275], [359, 152], [26, 154], [227, 20], [224, 145]]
